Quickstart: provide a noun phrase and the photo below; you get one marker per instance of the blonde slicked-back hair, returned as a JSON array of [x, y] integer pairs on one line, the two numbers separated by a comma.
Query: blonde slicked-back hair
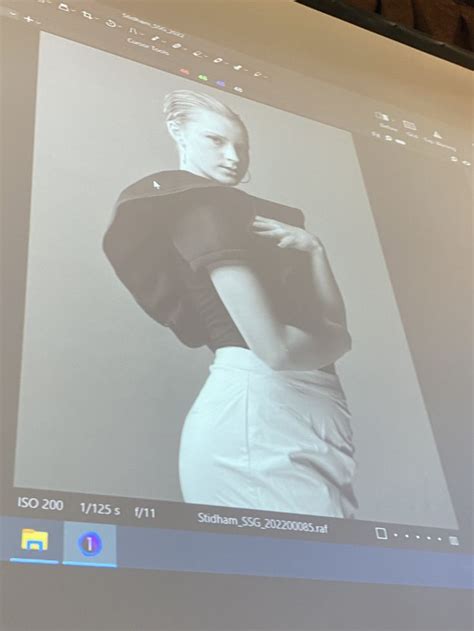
[[179, 105]]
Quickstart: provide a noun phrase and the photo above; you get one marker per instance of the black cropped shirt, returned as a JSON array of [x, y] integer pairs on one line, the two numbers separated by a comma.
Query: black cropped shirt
[[169, 227]]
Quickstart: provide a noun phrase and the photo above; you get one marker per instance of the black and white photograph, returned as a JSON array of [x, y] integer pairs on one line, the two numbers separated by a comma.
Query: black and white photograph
[[209, 315]]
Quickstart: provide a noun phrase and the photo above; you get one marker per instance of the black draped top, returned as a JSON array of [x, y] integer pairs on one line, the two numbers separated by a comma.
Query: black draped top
[[169, 227]]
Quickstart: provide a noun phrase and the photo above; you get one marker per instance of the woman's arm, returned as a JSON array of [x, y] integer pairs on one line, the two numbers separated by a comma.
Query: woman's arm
[[327, 297], [280, 346]]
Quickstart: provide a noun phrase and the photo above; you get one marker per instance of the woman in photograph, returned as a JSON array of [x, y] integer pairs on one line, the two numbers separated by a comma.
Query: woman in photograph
[[270, 429]]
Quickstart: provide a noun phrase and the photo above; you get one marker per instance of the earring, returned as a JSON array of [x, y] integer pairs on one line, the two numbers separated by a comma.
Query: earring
[[249, 177]]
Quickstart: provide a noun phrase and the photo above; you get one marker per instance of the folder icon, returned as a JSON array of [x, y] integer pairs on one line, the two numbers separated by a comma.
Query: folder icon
[[34, 540]]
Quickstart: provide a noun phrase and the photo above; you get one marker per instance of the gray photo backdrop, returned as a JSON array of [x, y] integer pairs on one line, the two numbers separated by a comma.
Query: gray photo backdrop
[[104, 389]]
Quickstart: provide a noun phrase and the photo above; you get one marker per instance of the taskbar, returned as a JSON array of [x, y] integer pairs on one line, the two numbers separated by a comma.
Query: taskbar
[[97, 545], [27, 504]]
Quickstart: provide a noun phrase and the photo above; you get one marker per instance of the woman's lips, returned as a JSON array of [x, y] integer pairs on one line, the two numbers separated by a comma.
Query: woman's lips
[[229, 170]]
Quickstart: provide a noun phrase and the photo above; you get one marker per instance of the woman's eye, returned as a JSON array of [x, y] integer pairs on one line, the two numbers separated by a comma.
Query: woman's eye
[[216, 140]]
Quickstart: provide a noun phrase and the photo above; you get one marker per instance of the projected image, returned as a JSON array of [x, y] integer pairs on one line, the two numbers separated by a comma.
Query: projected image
[[270, 429], [223, 333]]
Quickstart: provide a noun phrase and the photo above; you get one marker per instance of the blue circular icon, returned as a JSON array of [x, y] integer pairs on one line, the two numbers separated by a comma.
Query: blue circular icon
[[90, 544]]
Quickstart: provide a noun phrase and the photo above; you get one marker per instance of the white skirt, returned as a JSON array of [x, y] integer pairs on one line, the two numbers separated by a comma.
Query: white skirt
[[268, 440]]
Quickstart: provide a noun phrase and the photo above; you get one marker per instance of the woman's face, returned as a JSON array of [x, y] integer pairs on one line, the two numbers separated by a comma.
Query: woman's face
[[216, 147]]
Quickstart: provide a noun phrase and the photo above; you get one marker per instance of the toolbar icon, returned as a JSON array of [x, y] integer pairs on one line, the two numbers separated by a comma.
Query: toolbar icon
[[111, 23], [87, 15], [383, 117], [203, 77], [217, 60], [220, 83], [90, 544], [34, 539], [381, 533], [237, 67], [409, 125], [63, 7], [238, 89]]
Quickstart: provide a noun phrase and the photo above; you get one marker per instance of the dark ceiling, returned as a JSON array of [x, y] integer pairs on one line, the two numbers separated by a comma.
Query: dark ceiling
[[449, 21]]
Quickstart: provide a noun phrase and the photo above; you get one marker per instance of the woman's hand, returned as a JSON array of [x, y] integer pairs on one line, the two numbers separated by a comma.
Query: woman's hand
[[285, 235], [328, 299]]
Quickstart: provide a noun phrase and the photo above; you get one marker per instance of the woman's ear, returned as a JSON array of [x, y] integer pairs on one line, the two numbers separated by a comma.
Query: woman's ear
[[175, 131]]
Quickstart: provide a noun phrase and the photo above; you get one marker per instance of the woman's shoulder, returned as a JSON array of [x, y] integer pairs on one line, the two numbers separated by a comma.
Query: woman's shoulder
[[280, 212], [164, 183], [203, 190]]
